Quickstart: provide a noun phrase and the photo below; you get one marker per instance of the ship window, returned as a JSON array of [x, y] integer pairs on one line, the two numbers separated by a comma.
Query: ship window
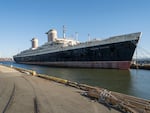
[[112, 49], [129, 46]]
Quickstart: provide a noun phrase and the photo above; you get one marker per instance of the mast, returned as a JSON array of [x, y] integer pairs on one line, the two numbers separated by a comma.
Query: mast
[[89, 37], [76, 36], [64, 32]]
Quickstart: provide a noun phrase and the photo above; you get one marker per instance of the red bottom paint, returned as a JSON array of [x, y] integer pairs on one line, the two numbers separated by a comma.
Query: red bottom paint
[[87, 64]]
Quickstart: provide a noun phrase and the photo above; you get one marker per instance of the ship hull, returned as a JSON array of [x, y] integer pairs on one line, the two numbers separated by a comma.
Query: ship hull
[[114, 55], [84, 64]]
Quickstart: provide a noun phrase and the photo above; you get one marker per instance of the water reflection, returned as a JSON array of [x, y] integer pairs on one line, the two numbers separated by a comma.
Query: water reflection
[[140, 83]]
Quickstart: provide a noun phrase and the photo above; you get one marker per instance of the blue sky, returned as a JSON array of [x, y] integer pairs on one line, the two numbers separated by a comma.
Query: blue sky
[[21, 20]]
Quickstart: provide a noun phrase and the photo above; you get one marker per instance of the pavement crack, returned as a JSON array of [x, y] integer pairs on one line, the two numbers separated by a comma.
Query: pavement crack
[[10, 99], [36, 109], [35, 100]]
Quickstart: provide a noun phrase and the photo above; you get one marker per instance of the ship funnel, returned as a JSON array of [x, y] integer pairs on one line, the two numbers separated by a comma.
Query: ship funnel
[[34, 42], [52, 35]]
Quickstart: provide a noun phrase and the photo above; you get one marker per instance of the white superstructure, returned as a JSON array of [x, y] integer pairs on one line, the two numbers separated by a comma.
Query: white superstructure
[[56, 44]]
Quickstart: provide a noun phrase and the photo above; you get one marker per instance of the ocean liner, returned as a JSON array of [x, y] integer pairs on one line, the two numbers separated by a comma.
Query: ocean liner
[[113, 52]]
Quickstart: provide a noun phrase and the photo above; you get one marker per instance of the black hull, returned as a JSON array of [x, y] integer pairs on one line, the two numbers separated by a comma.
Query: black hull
[[115, 55]]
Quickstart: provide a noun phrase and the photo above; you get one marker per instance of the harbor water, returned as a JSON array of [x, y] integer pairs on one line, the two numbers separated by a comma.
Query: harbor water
[[133, 82]]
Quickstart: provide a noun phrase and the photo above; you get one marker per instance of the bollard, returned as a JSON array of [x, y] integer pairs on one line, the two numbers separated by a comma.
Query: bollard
[[34, 73]]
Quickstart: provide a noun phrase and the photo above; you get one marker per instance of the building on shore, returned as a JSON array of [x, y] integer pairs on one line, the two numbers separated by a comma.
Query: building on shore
[[6, 59]]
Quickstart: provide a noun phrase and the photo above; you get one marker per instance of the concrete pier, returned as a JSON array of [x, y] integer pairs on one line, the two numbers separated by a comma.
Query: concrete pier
[[22, 93], [139, 66]]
